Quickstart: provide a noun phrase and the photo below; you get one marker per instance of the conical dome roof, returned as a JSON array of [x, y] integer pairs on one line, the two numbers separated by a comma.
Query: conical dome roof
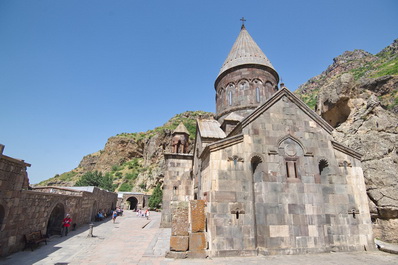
[[181, 129], [245, 51]]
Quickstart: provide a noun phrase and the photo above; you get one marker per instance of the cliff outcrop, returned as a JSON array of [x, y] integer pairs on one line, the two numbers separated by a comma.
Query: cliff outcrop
[[361, 104], [134, 161]]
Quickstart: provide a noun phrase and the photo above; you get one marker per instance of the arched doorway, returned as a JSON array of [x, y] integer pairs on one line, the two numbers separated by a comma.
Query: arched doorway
[[55, 220], [94, 211], [2, 215], [133, 201]]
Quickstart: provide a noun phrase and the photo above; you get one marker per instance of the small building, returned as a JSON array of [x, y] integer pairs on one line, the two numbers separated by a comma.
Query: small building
[[132, 200]]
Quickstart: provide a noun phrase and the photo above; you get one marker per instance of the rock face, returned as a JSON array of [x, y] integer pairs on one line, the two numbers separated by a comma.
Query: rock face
[[373, 131], [135, 161], [363, 110], [118, 149]]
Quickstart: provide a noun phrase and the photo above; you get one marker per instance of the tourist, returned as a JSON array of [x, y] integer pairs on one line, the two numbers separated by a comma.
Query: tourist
[[100, 216], [147, 214], [66, 224], [114, 215]]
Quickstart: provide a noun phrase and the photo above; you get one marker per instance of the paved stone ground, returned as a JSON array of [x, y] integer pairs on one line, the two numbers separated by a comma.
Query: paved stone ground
[[135, 240]]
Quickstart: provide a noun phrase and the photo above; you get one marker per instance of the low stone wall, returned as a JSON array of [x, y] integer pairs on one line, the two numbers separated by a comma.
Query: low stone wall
[[23, 210]]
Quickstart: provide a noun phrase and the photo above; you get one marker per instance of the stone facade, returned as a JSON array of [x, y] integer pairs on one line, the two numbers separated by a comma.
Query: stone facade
[[24, 210], [178, 178], [132, 200], [271, 177]]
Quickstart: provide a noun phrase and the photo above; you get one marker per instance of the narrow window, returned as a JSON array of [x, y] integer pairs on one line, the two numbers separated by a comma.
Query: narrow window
[[287, 169], [257, 94], [291, 169], [230, 98]]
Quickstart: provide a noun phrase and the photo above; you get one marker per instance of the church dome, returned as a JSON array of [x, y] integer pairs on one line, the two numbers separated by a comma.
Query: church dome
[[246, 80], [245, 51]]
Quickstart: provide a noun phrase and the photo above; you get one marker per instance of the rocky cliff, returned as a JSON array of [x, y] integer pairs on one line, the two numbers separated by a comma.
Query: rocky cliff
[[133, 160], [358, 96]]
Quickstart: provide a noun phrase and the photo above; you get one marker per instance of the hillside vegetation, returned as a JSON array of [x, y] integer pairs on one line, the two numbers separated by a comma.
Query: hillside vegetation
[[365, 67], [132, 161]]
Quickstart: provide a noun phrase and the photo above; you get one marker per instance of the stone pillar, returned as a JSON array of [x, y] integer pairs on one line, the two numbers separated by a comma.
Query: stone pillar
[[179, 227], [197, 238]]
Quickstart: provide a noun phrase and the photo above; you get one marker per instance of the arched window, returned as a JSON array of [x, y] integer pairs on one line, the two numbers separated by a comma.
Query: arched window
[[257, 94], [230, 98], [256, 168], [244, 85]]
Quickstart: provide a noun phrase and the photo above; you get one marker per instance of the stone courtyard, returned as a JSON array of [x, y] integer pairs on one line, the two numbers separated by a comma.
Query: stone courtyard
[[135, 240]]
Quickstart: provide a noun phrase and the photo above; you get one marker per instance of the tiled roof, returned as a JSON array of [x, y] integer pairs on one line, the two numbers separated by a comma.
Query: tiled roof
[[233, 117], [210, 129], [245, 51]]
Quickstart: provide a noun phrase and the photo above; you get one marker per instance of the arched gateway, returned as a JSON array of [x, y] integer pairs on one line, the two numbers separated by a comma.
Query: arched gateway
[[132, 200], [55, 220], [132, 203]]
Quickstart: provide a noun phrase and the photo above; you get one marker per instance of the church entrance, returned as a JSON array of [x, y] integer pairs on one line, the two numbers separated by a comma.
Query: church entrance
[[132, 201], [55, 221]]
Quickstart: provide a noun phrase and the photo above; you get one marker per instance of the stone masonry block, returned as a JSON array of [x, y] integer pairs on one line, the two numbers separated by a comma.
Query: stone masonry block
[[179, 221], [197, 241], [279, 231], [179, 243], [198, 220]]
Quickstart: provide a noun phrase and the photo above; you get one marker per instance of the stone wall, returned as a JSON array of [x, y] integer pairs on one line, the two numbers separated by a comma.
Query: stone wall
[[243, 83], [23, 210], [177, 183], [133, 200], [286, 188]]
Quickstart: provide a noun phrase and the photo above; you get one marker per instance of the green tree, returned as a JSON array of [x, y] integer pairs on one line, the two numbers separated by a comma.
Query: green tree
[[156, 198], [96, 179]]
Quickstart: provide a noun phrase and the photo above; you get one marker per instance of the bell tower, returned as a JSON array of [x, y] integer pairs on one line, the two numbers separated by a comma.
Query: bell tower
[[246, 79]]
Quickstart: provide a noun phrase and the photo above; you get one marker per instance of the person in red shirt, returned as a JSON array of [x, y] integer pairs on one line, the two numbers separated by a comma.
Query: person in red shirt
[[66, 224]]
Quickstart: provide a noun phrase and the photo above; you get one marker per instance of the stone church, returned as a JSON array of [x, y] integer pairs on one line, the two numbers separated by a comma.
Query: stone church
[[265, 176]]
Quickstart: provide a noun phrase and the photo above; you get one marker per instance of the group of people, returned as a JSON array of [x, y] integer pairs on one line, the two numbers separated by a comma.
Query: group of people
[[101, 215], [141, 213]]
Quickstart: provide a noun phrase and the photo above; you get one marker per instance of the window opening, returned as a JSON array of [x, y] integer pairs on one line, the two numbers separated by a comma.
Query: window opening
[[323, 166], [287, 169], [257, 94], [230, 98]]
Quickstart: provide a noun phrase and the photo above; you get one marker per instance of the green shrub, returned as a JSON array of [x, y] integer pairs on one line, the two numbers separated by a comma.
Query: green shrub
[[125, 187], [96, 179], [156, 198], [142, 186]]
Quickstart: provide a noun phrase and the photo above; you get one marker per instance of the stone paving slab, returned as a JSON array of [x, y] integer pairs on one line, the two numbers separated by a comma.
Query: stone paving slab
[[135, 240]]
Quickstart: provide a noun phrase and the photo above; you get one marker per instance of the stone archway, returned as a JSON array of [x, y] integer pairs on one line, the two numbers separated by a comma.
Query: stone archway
[[133, 202], [55, 220]]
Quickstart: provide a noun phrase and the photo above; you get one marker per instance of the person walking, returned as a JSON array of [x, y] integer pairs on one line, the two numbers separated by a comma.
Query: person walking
[[147, 214], [114, 215], [66, 222]]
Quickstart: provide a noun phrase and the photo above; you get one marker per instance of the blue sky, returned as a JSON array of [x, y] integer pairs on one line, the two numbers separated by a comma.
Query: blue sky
[[74, 73]]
